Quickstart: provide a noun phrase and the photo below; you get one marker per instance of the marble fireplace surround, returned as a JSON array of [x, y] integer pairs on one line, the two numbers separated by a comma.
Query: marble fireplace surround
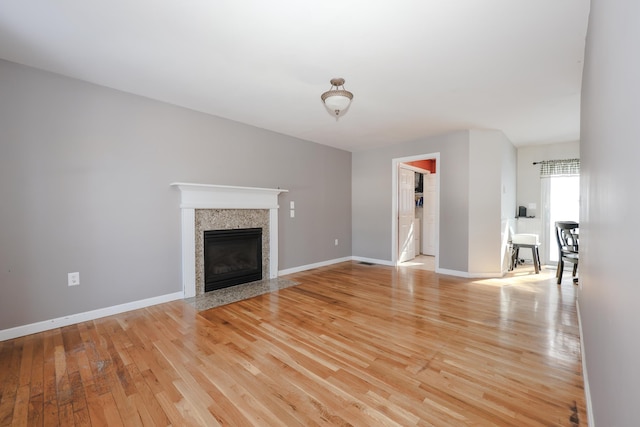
[[223, 197]]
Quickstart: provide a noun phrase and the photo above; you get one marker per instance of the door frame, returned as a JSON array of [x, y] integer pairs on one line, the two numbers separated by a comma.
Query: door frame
[[411, 171], [395, 164]]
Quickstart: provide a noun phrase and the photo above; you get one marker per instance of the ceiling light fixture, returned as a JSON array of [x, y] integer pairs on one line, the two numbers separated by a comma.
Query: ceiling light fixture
[[337, 100]]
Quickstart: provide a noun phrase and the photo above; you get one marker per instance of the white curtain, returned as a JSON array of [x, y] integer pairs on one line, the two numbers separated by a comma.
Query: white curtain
[[545, 189]]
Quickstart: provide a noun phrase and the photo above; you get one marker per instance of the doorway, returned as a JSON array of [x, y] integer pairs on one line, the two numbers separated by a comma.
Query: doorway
[[405, 197]]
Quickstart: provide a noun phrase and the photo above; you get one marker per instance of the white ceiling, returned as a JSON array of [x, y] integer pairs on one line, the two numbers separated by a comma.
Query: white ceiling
[[416, 68]]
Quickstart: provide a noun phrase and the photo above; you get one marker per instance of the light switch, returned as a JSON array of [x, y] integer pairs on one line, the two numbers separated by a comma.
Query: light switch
[[293, 213], [292, 205]]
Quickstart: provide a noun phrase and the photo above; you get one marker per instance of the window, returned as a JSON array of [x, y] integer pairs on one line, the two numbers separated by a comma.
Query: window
[[564, 205], [560, 184]]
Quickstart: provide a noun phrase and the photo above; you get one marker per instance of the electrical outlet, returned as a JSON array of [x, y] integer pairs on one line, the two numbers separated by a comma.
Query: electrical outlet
[[73, 279], [293, 213], [336, 242]]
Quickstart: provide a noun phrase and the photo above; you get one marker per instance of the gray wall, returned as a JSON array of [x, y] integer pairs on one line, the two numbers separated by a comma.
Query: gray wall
[[84, 186], [509, 180], [508, 200], [492, 186], [372, 186], [610, 174]]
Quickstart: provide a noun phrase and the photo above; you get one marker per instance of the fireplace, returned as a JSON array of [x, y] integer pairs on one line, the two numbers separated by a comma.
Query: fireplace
[[215, 207], [232, 257]]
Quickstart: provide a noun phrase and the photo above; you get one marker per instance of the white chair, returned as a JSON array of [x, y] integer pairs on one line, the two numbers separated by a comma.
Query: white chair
[[530, 241]]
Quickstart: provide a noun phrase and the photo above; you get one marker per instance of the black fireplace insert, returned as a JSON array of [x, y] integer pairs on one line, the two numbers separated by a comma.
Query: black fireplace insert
[[232, 257]]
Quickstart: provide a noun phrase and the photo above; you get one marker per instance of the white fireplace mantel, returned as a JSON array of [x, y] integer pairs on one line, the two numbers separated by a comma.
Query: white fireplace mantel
[[206, 196]]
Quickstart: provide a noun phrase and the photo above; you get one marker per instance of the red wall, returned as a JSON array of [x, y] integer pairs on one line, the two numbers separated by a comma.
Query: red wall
[[429, 164]]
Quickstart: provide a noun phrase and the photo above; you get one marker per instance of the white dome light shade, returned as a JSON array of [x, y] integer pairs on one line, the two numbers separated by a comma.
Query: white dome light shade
[[337, 100]]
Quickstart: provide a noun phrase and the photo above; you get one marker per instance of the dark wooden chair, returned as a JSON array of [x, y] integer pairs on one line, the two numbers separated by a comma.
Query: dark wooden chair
[[567, 238]]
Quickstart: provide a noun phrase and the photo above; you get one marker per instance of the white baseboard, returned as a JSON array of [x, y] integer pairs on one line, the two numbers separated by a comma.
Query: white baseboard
[[468, 275], [456, 273], [585, 377], [314, 265], [331, 262], [373, 261], [388, 263], [20, 331], [496, 275]]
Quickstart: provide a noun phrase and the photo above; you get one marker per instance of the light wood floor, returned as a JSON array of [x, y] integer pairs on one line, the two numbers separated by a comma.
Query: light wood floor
[[351, 345]]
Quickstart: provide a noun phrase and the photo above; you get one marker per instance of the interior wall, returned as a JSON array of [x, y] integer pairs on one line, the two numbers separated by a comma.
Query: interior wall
[[609, 292], [508, 199], [84, 186], [491, 190], [372, 189]]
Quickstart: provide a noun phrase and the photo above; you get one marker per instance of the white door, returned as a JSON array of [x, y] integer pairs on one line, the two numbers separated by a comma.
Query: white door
[[406, 214], [430, 205]]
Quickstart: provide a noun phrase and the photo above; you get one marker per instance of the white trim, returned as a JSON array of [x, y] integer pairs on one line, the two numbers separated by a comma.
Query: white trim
[[314, 265], [468, 275], [389, 264], [208, 196], [20, 331], [188, 252], [585, 377], [273, 243], [374, 261], [335, 261]]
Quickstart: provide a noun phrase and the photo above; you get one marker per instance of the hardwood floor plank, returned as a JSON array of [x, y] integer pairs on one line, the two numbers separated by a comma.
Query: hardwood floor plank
[[177, 415], [94, 406], [150, 410], [110, 410], [78, 397], [27, 361], [64, 393], [66, 415], [81, 417], [51, 413], [21, 408], [11, 356], [350, 345], [36, 410]]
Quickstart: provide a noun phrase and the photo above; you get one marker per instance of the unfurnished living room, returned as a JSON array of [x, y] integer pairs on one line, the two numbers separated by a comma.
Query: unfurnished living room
[[407, 213]]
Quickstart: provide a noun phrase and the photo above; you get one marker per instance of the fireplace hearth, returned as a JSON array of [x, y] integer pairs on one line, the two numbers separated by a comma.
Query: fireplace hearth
[[232, 257]]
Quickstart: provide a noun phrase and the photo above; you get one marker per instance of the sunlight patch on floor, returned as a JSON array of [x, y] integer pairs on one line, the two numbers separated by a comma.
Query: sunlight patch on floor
[[422, 262], [524, 277]]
